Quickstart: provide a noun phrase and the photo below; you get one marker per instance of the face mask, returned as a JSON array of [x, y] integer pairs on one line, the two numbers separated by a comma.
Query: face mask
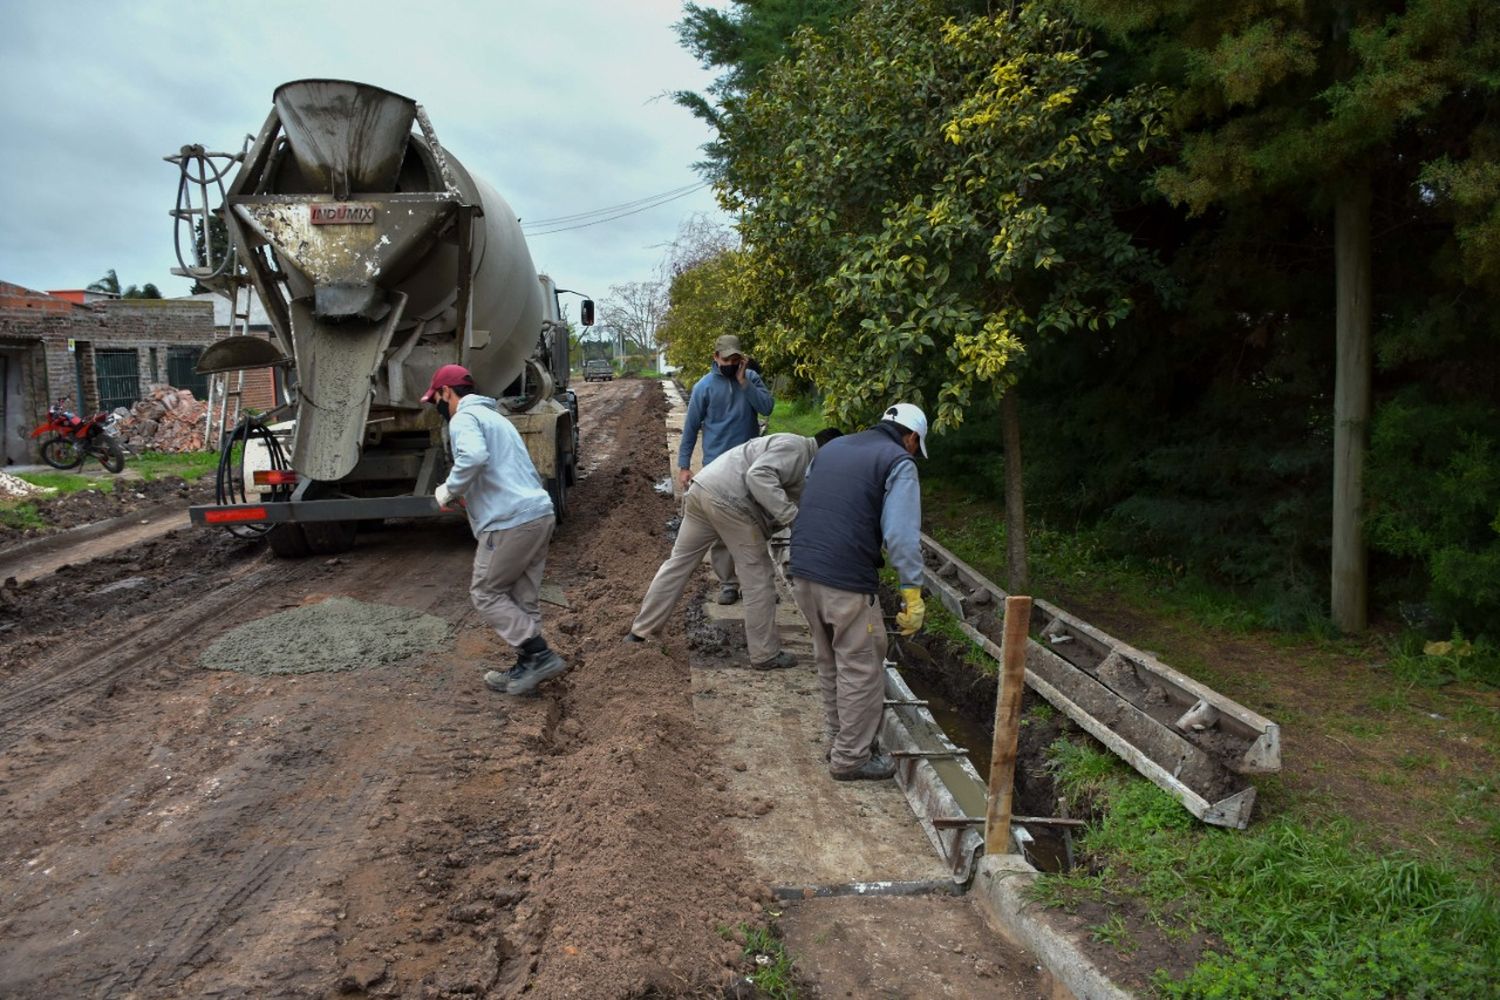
[[729, 371], [442, 408]]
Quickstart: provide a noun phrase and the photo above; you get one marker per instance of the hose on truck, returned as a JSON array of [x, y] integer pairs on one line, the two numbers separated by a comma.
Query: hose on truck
[[230, 488]]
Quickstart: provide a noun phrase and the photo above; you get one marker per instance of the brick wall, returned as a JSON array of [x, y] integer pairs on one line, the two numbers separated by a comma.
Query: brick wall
[[121, 324], [260, 390]]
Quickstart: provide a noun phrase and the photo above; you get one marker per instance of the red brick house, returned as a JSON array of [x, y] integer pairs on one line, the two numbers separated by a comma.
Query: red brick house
[[102, 352]]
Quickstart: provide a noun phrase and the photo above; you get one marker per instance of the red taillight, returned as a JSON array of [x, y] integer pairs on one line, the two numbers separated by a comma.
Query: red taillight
[[234, 515], [275, 477]]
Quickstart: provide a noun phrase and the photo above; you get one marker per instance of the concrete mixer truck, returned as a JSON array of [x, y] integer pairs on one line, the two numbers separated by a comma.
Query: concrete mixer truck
[[378, 258]]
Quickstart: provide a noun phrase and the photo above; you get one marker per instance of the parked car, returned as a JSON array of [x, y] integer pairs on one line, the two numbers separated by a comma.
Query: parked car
[[601, 371]]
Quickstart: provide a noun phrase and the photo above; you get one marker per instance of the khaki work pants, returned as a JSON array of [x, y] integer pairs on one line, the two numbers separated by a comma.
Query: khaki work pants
[[706, 520], [506, 585], [722, 561], [849, 648]]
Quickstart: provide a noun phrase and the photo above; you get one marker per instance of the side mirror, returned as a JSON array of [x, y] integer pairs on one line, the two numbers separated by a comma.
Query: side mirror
[[586, 312]]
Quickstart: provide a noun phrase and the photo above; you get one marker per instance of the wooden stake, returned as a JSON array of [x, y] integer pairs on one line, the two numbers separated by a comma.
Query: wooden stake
[[1007, 725]]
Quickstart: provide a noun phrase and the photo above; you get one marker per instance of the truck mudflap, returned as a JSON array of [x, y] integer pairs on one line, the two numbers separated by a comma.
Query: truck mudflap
[[313, 511]]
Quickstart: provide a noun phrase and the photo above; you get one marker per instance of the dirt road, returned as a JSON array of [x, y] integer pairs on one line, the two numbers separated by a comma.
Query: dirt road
[[394, 829]]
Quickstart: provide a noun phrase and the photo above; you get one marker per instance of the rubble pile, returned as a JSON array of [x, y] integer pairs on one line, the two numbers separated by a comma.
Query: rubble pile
[[167, 419], [14, 488]]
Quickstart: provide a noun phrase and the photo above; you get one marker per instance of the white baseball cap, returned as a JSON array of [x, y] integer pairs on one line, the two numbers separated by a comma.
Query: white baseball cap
[[912, 418]]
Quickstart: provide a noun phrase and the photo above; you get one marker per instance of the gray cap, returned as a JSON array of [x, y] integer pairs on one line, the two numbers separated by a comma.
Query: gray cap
[[727, 345]]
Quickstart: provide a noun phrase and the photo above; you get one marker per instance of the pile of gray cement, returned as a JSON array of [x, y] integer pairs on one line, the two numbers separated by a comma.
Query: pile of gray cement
[[338, 634]]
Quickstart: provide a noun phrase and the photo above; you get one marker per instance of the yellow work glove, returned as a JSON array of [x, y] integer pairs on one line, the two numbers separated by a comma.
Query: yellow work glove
[[910, 618]]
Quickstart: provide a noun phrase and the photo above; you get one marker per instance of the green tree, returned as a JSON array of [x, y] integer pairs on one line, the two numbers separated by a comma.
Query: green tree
[[741, 43], [702, 306], [210, 256], [1313, 103], [110, 284], [922, 197]]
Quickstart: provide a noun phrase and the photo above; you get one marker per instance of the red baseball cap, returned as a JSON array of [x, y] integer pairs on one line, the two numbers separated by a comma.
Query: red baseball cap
[[446, 376]]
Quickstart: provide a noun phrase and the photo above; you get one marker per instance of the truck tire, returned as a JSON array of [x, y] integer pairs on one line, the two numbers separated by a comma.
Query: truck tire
[[329, 538], [288, 541], [573, 459], [557, 486]]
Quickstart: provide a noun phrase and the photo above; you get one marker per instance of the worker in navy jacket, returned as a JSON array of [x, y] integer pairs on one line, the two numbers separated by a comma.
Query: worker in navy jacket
[[861, 497], [726, 406]]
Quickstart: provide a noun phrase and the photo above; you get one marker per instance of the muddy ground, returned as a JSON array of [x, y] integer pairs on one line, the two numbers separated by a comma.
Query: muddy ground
[[391, 830], [89, 506]]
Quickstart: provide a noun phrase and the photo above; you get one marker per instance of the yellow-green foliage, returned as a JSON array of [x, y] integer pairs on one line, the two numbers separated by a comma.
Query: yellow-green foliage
[[701, 308], [921, 197]]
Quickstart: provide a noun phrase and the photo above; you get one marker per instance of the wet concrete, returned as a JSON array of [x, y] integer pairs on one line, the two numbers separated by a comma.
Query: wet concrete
[[334, 634]]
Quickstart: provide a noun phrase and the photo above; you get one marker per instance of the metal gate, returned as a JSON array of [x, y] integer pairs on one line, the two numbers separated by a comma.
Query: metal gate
[[119, 375], [181, 373]]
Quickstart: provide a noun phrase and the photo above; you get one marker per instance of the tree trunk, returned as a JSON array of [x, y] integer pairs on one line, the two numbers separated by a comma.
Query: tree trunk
[[1351, 401], [1018, 578]]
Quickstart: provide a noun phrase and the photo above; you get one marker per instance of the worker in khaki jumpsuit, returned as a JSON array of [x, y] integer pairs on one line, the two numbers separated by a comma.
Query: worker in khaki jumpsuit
[[861, 493], [740, 500]]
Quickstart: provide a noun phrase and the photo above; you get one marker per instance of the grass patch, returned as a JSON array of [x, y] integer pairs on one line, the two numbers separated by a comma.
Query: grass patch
[[1297, 910], [69, 482], [153, 465], [1424, 663], [21, 516], [796, 416], [774, 976], [974, 529]]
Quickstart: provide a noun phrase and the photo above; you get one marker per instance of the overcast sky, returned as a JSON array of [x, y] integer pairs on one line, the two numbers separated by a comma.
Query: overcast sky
[[560, 105]]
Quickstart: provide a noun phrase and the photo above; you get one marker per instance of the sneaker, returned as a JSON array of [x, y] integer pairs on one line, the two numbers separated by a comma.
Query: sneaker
[[878, 768], [632, 637], [729, 593], [780, 661], [538, 668]]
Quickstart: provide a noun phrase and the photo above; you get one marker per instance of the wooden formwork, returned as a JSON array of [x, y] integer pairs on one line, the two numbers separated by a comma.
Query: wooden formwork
[[1190, 740]]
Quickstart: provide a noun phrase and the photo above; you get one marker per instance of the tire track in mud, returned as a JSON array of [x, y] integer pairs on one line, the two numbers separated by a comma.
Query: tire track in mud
[[399, 831], [70, 678], [252, 886], [279, 828]]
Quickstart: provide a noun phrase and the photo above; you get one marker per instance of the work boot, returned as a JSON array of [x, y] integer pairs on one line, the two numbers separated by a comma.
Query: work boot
[[878, 768], [780, 661], [499, 680], [729, 593], [828, 750], [537, 668]]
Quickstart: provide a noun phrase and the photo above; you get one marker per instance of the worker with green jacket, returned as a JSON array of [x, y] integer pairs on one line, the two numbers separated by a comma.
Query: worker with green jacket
[[862, 495]]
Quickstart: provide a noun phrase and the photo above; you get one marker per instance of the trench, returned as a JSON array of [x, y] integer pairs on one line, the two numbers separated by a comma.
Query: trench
[[962, 700]]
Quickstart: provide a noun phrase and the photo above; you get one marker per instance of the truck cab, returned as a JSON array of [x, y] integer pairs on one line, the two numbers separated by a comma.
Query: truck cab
[[598, 370]]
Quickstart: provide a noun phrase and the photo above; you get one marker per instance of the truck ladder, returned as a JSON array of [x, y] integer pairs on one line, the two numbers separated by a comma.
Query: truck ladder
[[218, 384]]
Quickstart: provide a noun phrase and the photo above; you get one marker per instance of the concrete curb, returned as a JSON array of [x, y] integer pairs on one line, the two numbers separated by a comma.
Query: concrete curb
[[1000, 890]]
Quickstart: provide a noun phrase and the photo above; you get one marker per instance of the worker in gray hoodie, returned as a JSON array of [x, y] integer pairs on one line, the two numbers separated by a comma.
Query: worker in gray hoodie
[[512, 518], [739, 500]]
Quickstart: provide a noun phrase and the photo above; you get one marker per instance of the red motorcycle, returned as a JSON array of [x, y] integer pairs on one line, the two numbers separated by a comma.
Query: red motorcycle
[[75, 439]]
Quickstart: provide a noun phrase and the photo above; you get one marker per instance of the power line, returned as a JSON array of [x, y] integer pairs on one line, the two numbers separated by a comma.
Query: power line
[[556, 220], [660, 200]]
